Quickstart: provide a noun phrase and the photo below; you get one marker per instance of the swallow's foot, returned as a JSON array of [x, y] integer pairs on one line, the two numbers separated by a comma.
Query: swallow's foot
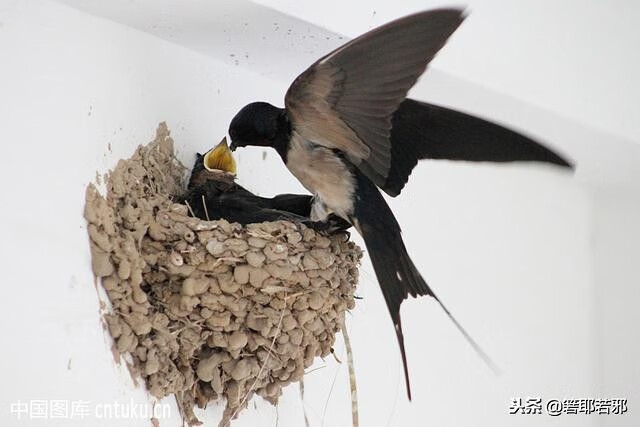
[[320, 227], [331, 225]]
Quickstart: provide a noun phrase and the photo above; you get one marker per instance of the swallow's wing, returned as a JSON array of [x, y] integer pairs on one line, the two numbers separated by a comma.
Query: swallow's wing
[[427, 131], [346, 100]]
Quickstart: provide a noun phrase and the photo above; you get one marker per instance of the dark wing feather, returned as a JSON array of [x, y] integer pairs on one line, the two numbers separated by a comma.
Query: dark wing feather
[[346, 100], [426, 131]]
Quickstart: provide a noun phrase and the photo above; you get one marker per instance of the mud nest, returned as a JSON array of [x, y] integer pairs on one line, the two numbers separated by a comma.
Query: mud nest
[[211, 309]]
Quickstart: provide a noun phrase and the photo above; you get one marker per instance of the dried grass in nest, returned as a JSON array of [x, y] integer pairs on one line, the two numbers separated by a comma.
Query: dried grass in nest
[[209, 309]]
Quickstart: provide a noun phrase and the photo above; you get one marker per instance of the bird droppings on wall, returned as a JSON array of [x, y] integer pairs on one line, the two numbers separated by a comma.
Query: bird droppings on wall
[[211, 309]]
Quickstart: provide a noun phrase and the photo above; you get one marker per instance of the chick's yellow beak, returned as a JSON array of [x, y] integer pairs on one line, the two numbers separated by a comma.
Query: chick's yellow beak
[[220, 158]]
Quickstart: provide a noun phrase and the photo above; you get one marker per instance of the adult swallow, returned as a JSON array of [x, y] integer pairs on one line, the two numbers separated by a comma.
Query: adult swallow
[[347, 130]]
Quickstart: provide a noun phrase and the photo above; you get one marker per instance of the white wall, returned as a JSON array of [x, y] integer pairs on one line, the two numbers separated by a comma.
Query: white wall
[[72, 86], [616, 241], [521, 255]]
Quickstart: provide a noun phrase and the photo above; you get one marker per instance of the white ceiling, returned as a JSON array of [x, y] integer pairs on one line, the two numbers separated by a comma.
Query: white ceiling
[[237, 32], [577, 58], [543, 60]]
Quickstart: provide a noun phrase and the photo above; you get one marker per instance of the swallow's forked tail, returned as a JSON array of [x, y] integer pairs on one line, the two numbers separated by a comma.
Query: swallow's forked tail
[[397, 275]]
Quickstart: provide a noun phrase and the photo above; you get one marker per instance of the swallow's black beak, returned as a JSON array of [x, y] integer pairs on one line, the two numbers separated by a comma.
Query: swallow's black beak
[[233, 146]]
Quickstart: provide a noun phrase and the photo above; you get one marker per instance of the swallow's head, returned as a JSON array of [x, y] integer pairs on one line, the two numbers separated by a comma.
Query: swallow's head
[[256, 124]]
